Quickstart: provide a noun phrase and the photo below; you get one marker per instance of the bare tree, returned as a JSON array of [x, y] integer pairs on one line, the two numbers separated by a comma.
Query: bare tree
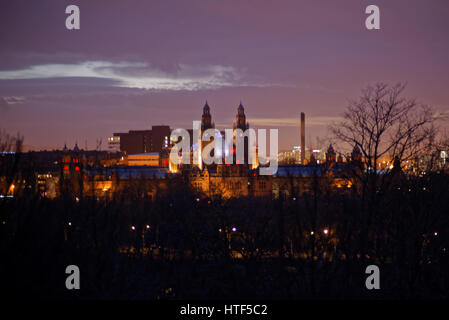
[[383, 123], [10, 156]]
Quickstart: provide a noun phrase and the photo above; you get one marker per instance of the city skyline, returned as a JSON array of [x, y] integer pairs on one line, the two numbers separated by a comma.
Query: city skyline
[[129, 68]]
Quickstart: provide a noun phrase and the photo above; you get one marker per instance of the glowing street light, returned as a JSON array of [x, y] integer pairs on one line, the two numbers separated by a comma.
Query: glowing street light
[[133, 228], [148, 226], [326, 231], [234, 229], [312, 233]]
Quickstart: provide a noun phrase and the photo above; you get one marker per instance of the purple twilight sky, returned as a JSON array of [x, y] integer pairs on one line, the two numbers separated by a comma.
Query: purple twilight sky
[[139, 63]]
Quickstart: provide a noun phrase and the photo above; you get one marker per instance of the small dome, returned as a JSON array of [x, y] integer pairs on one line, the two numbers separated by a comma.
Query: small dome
[[241, 106], [330, 149], [76, 149], [356, 149], [206, 106]]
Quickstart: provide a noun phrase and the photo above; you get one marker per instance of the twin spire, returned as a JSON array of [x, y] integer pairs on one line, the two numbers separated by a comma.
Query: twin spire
[[240, 119], [206, 106], [76, 148]]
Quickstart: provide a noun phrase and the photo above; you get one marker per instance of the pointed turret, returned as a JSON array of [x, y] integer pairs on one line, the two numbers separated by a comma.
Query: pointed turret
[[240, 118], [356, 155], [206, 108], [330, 154], [340, 158], [312, 159], [206, 118]]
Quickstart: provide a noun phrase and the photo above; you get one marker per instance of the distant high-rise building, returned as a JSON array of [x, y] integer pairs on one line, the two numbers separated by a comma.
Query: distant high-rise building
[[159, 139], [114, 142], [142, 141]]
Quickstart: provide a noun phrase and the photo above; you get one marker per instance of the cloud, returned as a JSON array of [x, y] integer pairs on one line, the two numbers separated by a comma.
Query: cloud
[[6, 102], [441, 114], [14, 100], [3, 104], [138, 75]]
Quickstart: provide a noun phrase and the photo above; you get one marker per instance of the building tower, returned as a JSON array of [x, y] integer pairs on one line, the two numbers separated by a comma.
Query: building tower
[[356, 155], [206, 123], [240, 119], [240, 123], [330, 154], [303, 138], [340, 158], [206, 118], [312, 158], [72, 171]]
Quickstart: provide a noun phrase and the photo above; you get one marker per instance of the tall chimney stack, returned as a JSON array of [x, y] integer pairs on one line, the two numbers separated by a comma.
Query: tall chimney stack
[[303, 138]]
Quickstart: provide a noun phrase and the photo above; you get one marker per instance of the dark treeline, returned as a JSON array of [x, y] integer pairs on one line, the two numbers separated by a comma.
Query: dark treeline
[[180, 246]]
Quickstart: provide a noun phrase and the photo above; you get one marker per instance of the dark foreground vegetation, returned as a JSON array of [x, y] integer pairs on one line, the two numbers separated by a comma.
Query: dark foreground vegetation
[[178, 247]]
